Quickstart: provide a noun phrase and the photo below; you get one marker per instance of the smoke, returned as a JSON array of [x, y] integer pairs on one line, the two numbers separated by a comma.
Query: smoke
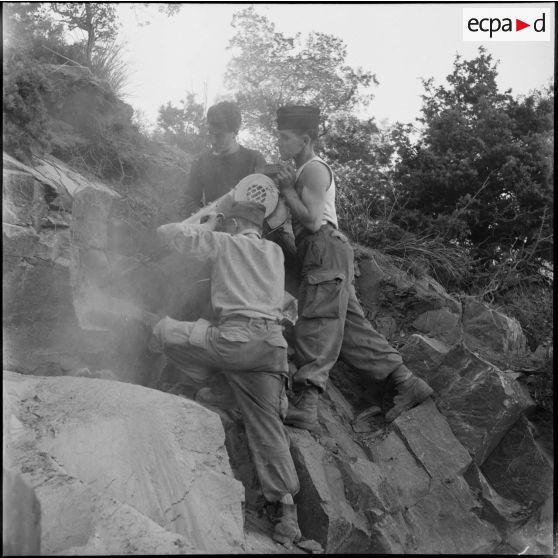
[[97, 310]]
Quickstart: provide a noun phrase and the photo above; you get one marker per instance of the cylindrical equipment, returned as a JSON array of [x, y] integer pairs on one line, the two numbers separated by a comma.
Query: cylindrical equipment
[[254, 187]]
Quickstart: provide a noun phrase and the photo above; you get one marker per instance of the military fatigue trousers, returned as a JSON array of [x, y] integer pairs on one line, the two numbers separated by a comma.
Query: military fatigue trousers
[[331, 322], [252, 354]]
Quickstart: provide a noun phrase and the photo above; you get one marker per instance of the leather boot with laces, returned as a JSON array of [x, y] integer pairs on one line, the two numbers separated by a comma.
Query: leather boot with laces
[[303, 411], [286, 530], [410, 393]]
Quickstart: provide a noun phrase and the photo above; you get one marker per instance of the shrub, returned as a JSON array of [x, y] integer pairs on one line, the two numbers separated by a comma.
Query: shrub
[[25, 115]]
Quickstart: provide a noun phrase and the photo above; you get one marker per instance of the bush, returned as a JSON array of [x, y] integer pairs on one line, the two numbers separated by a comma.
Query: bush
[[108, 64], [26, 87], [91, 128], [531, 303]]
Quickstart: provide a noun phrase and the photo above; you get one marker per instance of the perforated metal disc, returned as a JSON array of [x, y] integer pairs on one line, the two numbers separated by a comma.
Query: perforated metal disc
[[258, 188]]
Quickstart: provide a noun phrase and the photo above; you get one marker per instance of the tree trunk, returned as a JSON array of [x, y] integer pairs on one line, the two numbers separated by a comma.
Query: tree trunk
[[90, 28]]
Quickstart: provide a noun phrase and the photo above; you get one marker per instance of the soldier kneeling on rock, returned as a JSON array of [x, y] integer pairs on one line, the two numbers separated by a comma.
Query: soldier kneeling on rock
[[246, 342]]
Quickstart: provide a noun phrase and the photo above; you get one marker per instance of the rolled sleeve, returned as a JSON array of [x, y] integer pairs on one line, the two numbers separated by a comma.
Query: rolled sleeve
[[193, 240]]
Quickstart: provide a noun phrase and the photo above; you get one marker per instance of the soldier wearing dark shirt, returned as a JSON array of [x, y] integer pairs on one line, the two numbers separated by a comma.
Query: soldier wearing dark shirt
[[218, 170]]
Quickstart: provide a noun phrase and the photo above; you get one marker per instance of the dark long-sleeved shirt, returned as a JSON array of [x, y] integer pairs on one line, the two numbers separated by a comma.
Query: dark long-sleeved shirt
[[213, 175]]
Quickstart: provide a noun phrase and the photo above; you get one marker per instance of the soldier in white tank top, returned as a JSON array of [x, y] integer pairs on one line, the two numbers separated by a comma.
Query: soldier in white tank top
[[330, 320], [329, 214]]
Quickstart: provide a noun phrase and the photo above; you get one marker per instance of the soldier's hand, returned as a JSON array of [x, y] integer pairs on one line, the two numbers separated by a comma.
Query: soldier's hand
[[174, 332], [212, 220], [286, 178]]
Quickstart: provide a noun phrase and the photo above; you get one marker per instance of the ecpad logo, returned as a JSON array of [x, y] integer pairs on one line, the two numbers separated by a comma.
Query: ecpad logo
[[507, 24]]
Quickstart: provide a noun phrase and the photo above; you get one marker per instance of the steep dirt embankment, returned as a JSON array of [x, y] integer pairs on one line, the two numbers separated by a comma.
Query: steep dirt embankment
[[123, 468]]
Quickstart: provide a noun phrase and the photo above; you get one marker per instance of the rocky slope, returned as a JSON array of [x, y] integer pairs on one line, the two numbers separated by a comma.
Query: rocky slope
[[99, 462]]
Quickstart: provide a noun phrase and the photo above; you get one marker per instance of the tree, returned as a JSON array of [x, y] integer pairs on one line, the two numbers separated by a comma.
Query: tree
[[30, 30], [39, 31], [480, 174], [360, 155], [269, 69], [98, 21], [184, 126]]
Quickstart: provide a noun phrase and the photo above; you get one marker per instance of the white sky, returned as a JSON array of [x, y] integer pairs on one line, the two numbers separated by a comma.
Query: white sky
[[400, 43]]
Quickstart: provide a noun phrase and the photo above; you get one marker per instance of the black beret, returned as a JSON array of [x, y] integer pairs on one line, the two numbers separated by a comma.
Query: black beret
[[225, 116], [297, 117], [251, 211]]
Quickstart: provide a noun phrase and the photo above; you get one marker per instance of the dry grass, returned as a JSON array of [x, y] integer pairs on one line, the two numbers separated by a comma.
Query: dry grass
[[109, 64], [418, 255]]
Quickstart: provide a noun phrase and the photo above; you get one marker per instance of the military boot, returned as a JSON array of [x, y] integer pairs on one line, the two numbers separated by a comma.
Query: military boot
[[303, 411], [409, 393], [286, 530]]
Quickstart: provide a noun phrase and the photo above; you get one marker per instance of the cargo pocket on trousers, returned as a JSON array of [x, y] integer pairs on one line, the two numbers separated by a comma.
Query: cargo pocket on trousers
[[235, 334], [276, 339], [322, 297], [340, 236]]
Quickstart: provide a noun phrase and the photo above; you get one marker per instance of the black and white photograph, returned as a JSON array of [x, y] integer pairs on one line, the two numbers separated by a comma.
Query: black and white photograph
[[278, 278]]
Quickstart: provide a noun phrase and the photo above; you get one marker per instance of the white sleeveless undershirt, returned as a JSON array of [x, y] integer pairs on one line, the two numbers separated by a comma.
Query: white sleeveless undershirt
[[330, 215]]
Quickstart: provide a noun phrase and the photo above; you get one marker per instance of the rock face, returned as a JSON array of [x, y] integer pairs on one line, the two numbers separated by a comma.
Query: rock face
[[69, 242], [400, 490], [110, 460], [399, 305], [480, 401], [494, 335], [529, 473], [38, 308]]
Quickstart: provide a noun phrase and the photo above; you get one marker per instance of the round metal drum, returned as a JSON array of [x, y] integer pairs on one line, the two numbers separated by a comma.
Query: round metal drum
[[257, 188]]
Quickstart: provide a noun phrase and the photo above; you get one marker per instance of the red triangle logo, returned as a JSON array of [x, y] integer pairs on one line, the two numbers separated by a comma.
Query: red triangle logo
[[519, 25]]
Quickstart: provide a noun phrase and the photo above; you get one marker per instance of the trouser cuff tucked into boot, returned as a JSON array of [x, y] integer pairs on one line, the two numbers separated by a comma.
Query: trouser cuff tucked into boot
[[399, 375], [286, 530], [410, 393], [303, 411]]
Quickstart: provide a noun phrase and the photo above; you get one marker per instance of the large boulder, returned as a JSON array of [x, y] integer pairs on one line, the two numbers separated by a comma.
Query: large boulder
[[423, 354], [324, 513], [518, 469], [442, 324], [38, 308], [109, 459], [480, 401], [497, 337], [502, 512], [537, 535]]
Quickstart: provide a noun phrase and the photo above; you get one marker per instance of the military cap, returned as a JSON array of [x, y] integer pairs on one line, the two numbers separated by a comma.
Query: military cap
[[297, 117], [251, 211]]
